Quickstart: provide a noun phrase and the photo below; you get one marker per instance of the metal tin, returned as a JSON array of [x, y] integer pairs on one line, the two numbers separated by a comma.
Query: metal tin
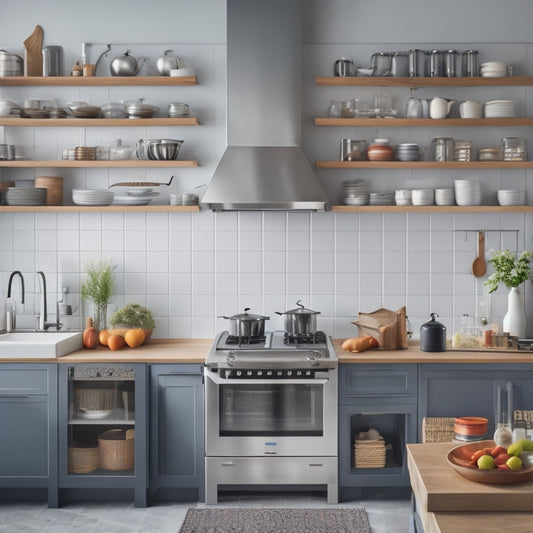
[[417, 62], [470, 63], [433, 336], [436, 64], [10, 64], [450, 63], [400, 64], [344, 67], [52, 59]]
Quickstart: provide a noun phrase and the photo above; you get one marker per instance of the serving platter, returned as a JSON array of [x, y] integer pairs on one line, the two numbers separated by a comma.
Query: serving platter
[[459, 459]]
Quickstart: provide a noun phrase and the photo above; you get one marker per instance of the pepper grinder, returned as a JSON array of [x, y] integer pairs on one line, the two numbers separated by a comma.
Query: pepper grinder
[[503, 435]]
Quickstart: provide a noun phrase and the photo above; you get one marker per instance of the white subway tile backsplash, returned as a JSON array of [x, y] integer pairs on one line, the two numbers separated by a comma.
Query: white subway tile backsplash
[[135, 240], [23, 240]]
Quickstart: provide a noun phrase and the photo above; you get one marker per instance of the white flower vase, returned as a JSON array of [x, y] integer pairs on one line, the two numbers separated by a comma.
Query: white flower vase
[[515, 320]]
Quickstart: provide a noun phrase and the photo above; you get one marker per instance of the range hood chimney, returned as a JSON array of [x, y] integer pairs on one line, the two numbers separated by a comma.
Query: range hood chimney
[[264, 167]]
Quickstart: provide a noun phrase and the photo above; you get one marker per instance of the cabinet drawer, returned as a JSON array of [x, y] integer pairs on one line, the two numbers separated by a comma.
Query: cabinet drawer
[[372, 380], [23, 380]]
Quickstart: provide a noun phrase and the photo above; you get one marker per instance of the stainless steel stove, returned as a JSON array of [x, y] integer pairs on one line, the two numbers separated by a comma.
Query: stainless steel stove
[[271, 412]]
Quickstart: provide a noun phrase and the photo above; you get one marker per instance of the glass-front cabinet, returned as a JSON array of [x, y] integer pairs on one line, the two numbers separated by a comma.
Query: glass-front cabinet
[[103, 429]]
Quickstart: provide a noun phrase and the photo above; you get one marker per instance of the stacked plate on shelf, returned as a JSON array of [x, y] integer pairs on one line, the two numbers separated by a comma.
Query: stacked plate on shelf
[[26, 196], [511, 197], [499, 109], [494, 69], [407, 152], [92, 196], [382, 198], [134, 195], [355, 192]]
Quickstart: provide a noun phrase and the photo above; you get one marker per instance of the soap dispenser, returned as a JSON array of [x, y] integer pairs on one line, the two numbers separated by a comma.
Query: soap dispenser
[[433, 336]]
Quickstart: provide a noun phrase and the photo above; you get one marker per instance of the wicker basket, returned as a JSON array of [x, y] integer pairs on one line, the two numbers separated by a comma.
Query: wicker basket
[[370, 453], [95, 395], [438, 429], [117, 449], [83, 460]]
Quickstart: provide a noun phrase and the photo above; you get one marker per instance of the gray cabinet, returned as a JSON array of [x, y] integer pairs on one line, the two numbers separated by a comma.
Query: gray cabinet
[[383, 397], [471, 390], [177, 431], [28, 422], [103, 432]]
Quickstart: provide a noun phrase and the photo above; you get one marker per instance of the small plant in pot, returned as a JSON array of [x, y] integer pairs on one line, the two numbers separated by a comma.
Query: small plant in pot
[[133, 316]]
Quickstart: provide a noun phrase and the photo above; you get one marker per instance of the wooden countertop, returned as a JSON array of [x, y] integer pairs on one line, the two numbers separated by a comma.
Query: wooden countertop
[[195, 351], [447, 502], [413, 354]]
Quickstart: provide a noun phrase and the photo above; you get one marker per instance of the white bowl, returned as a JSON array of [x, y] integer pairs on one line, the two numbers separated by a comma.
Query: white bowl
[[511, 197], [422, 196], [444, 197]]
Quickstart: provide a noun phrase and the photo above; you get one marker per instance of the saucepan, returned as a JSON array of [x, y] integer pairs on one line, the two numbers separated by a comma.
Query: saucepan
[[246, 325], [300, 321]]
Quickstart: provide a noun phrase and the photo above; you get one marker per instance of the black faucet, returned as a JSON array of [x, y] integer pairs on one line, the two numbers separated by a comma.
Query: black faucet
[[13, 274], [42, 324], [11, 311]]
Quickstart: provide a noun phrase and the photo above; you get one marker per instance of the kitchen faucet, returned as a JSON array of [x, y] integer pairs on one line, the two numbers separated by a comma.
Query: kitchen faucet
[[11, 312], [42, 324]]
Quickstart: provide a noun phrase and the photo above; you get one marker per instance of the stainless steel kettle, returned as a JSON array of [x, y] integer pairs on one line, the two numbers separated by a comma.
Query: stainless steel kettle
[[125, 65], [433, 336]]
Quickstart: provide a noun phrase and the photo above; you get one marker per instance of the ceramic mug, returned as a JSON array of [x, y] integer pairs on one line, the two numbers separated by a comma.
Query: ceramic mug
[[470, 109]]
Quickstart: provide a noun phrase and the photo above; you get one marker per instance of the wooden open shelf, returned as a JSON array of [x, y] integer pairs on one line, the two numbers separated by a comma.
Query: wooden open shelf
[[95, 81], [421, 122], [103, 209], [123, 163], [84, 122], [413, 83], [424, 164], [433, 208]]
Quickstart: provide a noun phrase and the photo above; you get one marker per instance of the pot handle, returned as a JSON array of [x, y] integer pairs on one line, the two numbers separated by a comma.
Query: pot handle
[[278, 313]]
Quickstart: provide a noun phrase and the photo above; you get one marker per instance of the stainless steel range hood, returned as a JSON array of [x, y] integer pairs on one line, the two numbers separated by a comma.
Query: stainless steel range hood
[[264, 167]]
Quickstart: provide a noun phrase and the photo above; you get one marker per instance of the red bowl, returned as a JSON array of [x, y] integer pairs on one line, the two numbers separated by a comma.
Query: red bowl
[[471, 425]]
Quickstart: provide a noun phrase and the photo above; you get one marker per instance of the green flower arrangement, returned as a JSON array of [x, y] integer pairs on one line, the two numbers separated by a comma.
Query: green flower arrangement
[[99, 286], [133, 316], [509, 269]]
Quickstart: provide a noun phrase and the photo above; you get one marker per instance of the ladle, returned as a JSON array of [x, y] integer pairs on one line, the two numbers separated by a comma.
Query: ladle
[[479, 266]]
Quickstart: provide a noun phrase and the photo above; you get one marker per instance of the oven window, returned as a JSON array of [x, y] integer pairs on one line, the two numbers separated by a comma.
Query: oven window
[[271, 410]]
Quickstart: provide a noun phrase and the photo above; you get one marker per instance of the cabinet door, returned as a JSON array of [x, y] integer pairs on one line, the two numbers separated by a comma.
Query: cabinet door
[[28, 421], [177, 427]]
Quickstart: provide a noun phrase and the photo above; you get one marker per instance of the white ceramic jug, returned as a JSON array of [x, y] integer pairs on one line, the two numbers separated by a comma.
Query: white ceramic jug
[[440, 107]]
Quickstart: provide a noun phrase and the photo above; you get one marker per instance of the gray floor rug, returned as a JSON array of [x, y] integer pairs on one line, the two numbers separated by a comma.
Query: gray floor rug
[[238, 520]]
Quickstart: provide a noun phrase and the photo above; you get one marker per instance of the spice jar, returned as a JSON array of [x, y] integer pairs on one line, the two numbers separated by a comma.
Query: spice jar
[[380, 150], [77, 69]]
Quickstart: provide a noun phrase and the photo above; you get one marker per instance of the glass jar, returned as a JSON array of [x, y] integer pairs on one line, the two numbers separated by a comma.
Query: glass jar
[[353, 149], [514, 149], [380, 150]]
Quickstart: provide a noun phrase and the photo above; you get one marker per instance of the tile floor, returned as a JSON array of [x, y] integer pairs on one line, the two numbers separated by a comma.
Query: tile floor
[[385, 515]]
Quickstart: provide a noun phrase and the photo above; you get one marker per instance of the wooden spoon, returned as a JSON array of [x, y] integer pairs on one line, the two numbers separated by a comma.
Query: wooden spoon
[[479, 266]]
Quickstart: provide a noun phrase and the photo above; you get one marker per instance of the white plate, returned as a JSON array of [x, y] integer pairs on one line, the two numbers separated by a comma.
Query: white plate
[[132, 200], [93, 414]]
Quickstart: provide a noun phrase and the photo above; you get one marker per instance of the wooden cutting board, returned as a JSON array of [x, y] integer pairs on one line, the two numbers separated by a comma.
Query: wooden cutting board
[[33, 53]]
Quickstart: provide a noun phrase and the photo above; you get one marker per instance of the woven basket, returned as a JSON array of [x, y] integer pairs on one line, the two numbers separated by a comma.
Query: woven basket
[[117, 449], [369, 453], [83, 460], [438, 429], [95, 395]]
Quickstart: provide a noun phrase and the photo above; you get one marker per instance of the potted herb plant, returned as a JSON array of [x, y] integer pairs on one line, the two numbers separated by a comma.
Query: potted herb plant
[[134, 316], [98, 287], [512, 271]]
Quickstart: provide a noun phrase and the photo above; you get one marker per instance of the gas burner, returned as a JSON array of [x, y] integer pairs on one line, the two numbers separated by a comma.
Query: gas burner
[[236, 340], [312, 338]]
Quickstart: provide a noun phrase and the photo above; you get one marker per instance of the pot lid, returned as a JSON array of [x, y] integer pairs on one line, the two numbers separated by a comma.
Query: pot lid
[[301, 310], [433, 324], [246, 316]]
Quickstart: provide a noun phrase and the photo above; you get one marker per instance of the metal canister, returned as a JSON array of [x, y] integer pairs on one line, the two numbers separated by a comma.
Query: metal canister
[[417, 62], [344, 67], [400, 64], [52, 61], [470, 63], [450, 63], [436, 64], [353, 150]]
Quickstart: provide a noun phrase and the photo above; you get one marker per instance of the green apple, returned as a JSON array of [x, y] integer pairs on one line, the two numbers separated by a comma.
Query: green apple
[[514, 463], [486, 462]]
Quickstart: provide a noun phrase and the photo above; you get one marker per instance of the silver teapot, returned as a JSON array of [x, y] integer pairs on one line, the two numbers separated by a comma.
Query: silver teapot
[[125, 65]]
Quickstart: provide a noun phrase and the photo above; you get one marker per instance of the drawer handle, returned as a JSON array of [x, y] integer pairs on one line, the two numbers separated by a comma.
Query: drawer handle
[[14, 395]]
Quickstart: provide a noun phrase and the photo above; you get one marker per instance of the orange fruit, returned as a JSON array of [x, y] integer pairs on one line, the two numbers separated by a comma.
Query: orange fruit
[[134, 337], [115, 342], [103, 336]]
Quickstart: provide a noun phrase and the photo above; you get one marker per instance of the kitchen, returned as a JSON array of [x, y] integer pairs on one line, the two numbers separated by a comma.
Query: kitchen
[[190, 268]]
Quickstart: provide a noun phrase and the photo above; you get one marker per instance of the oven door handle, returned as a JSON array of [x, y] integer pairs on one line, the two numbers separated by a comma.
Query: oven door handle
[[229, 381]]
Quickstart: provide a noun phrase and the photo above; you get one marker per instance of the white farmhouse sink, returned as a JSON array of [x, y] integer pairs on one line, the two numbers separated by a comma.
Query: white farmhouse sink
[[39, 344]]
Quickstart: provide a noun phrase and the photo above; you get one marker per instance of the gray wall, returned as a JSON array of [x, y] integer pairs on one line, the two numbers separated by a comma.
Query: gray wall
[[190, 268]]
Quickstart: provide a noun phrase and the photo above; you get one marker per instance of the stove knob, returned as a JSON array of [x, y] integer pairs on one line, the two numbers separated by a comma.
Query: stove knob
[[249, 373], [269, 372], [239, 373], [289, 372], [299, 373], [279, 373], [259, 372], [308, 372]]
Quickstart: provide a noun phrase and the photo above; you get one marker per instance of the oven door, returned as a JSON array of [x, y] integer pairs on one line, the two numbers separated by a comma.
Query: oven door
[[273, 417]]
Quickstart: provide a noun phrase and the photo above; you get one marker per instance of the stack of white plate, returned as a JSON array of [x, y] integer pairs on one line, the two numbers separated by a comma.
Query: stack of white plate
[[381, 198], [134, 196], [422, 196], [511, 197], [467, 192], [92, 196], [355, 192], [407, 152], [494, 69], [26, 196], [499, 109]]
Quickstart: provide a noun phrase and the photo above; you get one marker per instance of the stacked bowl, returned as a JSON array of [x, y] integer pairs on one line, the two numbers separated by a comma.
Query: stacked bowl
[[422, 196], [494, 69], [26, 196], [92, 196], [407, 152], [511, 197], [467, 192]]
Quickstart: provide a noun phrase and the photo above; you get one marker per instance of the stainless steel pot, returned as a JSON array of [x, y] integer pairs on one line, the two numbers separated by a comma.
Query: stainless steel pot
[[300, 321], [10, 64], [246, 325]]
